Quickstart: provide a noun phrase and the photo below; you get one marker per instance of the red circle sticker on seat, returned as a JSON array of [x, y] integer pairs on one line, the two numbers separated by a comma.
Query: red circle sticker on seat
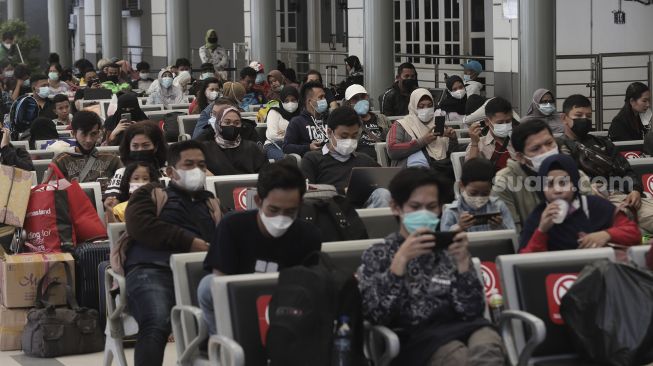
[[557, 285]]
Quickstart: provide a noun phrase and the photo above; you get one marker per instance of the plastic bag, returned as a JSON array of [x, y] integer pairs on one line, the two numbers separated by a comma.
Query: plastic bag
[[609, 312]]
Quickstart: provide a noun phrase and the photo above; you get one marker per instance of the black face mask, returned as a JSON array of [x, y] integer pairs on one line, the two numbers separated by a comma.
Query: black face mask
[[213, 40], [410, 84], [581, 127], [146, 156], [230, 133], [113, 78]]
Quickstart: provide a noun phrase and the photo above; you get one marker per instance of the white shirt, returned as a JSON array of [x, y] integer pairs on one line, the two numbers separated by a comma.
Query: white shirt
[[277, 126]]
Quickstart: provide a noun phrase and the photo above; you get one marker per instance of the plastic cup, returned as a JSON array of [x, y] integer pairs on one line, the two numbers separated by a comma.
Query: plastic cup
[[563, 208]]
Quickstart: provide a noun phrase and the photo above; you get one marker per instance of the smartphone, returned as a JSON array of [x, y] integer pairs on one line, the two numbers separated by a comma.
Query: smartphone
[[442, 239], [483, 219], [126, 116], [439, 125]]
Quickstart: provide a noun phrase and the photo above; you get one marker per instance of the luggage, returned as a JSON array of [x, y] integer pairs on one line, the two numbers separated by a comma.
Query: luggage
[[102, 305], [303, 310], [335, 216], [88, 257]]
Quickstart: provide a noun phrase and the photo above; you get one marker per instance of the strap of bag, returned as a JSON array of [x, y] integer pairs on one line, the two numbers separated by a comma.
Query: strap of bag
[[70, 299], [87, 168]]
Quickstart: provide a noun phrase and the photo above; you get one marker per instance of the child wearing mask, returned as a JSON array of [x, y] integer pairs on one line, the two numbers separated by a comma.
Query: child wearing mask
[[475, 199], [138, 174], [567, 219]]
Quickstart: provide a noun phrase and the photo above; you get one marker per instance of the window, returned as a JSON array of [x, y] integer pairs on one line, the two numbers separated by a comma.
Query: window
[[333, 15], [288, 20]]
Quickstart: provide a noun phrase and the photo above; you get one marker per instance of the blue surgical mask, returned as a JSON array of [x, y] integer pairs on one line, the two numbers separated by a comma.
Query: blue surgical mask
[[547, 108], [321, 106], [44, 92], [26, 83], [362, 107], [166, 82], [260, 78], [467, 78], [422, 219]]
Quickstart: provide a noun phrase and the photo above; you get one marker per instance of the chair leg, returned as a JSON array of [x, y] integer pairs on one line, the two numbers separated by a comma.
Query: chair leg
[[113, 347]]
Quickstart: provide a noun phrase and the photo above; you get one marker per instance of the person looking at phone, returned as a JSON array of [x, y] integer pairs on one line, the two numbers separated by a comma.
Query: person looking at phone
[[567, 219], [128, 112], [476, 209], [421, 138], [426, 291], [490, 138], [307, 132]]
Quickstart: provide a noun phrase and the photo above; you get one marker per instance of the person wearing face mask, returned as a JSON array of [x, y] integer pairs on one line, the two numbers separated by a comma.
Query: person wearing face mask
[[166, 93], [209, 91], [515, 185], [180, 218], [475, 199], [634, 119], [115, 126], [431, 297], [333, 163], [354, 73], [567, 219], [315, 76], [232, 94], [137, 174], [375, 125], [543, 107], [307, 132], [254, 93], [211, 52], [577, 117], [471, 72], [228, 153], [28, 107], [113, 81], [394, 101], [277, 121], [9, 49], [22, 76], [412, 140], [54, 80], [491, 139], [455, 101], [206, 72], [144, 80], [264, 240]]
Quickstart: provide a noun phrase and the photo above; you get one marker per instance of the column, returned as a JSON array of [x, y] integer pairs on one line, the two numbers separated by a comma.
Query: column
[[58, 30], [178, 33], [537, 48], [379, 54], [264, 33], [15, 9], [111, 18]]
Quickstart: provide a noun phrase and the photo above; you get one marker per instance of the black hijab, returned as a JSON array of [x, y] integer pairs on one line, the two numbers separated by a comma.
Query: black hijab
[[285, 92], [127, 101], [451, 104]]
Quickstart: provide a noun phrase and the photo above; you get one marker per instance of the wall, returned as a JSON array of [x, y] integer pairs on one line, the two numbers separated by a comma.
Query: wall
[[36, 16], [505, 49], [225, 16]]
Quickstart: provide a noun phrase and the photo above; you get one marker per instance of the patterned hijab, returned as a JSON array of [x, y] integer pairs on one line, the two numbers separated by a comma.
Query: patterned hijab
[[225, 144]]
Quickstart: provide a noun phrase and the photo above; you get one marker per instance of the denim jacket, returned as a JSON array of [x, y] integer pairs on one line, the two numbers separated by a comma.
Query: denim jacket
[[452, 213]]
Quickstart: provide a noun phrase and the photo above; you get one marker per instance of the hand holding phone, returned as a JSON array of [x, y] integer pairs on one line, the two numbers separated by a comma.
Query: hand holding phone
[[442, 239], [439, 125], [483, 219], [126, 117]]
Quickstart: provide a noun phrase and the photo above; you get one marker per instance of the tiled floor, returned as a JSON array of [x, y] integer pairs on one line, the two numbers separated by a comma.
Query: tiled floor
[[17, 358]]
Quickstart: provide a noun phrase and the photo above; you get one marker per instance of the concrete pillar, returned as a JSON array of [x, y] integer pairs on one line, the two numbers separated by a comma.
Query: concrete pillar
[[111, 18], [178, 30], [537, 48], [58, 30], [264, 33], [15, 9], [379, 53]]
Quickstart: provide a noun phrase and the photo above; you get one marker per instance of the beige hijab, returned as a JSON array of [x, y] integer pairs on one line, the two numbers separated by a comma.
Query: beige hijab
[[416, 129]]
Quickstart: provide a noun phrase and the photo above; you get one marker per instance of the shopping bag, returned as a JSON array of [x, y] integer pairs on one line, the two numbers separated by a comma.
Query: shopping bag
[[609, 313], [47, 224], [15, 186]]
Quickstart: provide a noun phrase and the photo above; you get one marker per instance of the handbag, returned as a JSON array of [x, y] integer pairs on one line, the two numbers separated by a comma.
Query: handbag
[[48, 226], [15, 185], [54, 332]]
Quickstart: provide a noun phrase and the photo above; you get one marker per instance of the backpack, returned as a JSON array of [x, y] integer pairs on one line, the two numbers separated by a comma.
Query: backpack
[[21, 114], [304, 308], [171, 126], [333, 214], [593, 162]]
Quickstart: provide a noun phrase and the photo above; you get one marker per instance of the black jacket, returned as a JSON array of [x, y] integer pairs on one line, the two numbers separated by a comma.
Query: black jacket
[[623, 128], [394, 102]]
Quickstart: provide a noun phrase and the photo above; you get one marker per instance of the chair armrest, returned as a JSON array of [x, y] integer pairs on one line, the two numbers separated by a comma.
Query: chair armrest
[[115, 305], [381, 344], [224, 351], [187, 348], [537, 331]]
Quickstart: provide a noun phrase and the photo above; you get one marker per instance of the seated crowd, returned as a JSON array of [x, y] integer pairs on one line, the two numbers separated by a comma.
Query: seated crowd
[[537, 175]]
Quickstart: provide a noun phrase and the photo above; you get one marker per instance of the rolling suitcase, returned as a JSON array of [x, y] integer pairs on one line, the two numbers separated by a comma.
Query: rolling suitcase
[[88, 257]]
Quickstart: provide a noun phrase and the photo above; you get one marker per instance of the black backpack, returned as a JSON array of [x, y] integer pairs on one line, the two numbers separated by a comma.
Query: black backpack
[[333, 214], [171, 126], [303, 312]]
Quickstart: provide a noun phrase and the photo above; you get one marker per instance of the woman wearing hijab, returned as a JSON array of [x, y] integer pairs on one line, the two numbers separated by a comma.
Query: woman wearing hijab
[[115, 126], [354, 75], [277, 82], [412, 141], [212, 52], [166, 93], [543, 107], [634, 119], [228, 153], [455, 102], [277, 121]]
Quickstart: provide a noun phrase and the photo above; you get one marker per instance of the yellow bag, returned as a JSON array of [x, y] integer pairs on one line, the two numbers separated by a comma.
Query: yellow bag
[[119, 211]]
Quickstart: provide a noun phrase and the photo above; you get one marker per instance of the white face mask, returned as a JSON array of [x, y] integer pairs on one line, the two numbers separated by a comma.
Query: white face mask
[[458, 94], [502, 130], [7, 45], [144, 75], [212, 95], [135, 186], [537, 160], [191, 180], [475, 202], [290, 107], [9, 74], [426, 114], [276, 225], [646, 117], [346, 146]]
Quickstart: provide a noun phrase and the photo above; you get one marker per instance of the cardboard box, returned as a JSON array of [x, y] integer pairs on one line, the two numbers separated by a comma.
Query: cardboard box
[[15, 188], [20, 275], [12, 322]]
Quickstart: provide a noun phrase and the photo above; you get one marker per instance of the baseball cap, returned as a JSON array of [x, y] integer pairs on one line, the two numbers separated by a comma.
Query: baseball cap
[[353, 90], [474, 66]]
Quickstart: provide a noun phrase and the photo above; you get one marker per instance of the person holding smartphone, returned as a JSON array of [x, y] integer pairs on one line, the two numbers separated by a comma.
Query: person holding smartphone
[[476, 209], [128, 112], [426, 291], [490, 138]]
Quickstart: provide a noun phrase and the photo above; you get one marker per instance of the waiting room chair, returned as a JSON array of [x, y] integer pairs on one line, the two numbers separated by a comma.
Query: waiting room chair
[[457, 161], [382, 154], [637, 255], [230, 189], [379, 222], [187, 123]]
